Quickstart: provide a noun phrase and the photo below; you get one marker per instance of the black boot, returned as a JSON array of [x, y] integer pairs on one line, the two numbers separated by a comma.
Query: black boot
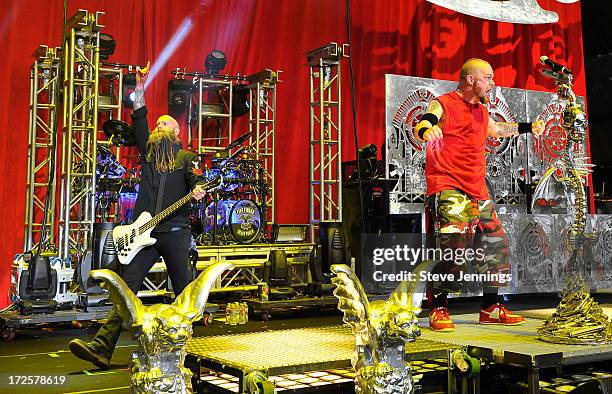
[[86, 351]]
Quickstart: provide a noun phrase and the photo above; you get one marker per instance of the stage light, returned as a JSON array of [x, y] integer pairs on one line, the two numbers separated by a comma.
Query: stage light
[[179, 95], [368, 164], [215, 62], [368, 152], [333, 245], [289, 232], [240, 100], [106, 43], [107, 46], [129, 85]]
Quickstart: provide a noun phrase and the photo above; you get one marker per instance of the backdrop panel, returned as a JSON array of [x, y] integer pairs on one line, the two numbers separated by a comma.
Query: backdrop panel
[[512, 163]]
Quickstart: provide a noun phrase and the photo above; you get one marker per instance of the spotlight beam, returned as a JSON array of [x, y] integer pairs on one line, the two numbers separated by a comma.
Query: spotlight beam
[[169, 49]]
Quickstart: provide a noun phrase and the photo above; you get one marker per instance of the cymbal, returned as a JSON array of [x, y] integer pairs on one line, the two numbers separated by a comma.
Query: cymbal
[[119, 132], [239, 141]]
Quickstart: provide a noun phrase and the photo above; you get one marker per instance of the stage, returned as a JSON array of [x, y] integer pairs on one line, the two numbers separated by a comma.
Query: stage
[[306, 358], [517, 346], [310, 351], [266, 115]]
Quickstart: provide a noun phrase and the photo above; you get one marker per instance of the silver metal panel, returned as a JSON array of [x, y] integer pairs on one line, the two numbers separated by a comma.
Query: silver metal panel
[[539, 251], [407, 98], [504, 171], [532, 256], [601, 227], [510, 162], [503, 209]]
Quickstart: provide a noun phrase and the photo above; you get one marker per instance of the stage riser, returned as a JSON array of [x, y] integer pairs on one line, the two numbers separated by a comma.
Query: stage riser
[[289, 356], [249, 263]]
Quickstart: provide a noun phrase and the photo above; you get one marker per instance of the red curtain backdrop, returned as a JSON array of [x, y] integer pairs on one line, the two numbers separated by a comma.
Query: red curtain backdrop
[[409, 37]]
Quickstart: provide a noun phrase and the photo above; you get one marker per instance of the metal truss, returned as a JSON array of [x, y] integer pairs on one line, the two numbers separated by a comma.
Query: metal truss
[[110, 106], [79, 137], [110, 100], [249, 267], [325, 194], [246, 275], [155, 284], [213, 101], [42, 152], [262, 125]]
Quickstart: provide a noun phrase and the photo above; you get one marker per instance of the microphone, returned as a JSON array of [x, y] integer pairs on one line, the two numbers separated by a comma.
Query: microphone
[[556, 67], [549, 73]]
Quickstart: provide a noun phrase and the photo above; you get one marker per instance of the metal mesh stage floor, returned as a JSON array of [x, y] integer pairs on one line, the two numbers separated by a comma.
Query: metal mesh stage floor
[[303, 350], [288, 351], [545, 313], [516, 345], [504, 340]]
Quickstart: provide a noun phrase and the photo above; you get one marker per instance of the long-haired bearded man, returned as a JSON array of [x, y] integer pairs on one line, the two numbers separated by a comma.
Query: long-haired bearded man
[[168, 174]]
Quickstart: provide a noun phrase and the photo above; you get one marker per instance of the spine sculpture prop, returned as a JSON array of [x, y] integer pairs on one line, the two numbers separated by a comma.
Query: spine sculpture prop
[[162, 330], [578, 318], [381, 330]]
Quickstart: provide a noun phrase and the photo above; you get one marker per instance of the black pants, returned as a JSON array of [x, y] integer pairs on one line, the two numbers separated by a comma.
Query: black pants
[[173, 246]]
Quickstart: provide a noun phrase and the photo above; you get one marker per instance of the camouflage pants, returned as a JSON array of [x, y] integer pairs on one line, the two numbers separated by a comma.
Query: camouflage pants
[[457, 219]]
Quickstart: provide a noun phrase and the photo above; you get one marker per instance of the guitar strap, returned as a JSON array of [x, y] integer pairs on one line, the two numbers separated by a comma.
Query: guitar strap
[[160, 193]]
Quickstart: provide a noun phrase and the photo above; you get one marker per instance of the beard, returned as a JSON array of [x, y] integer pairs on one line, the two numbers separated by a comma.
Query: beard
[[483, 95], [484, 99], [160, 149]]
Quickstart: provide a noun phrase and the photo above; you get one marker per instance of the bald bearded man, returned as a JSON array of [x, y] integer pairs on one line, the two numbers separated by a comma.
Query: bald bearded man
[[168, 174], [456, 126]]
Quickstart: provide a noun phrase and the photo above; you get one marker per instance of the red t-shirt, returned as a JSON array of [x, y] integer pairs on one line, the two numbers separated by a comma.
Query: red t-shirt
[[457, 160]]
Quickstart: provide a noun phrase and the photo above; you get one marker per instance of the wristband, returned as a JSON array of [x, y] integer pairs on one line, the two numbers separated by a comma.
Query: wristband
[[421, 132], [524, 127], [431, 118], [139, 100]]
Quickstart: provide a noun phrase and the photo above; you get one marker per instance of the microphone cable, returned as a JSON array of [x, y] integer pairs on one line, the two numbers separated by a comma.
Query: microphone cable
[[353, 104]]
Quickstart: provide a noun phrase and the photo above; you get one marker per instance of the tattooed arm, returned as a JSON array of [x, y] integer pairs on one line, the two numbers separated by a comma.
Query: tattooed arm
[[431, 124], [506, 129], [502, 129]]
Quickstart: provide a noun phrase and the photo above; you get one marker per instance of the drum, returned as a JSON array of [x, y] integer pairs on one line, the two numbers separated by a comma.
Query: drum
[[107, 165], [127, 200], [239, 221], [233, 177]]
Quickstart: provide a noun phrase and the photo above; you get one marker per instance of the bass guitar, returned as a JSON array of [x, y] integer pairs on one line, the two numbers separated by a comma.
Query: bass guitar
[[131, 238]]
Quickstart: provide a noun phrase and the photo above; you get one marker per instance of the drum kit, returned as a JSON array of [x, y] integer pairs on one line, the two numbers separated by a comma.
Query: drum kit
[[233, 214], [236, 212]]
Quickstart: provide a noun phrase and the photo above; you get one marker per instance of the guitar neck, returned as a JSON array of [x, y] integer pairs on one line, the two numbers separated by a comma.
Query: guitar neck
[[165, 213]]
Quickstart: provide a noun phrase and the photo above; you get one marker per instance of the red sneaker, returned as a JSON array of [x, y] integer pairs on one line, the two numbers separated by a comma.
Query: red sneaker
[[498, 314], [439, 320]]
